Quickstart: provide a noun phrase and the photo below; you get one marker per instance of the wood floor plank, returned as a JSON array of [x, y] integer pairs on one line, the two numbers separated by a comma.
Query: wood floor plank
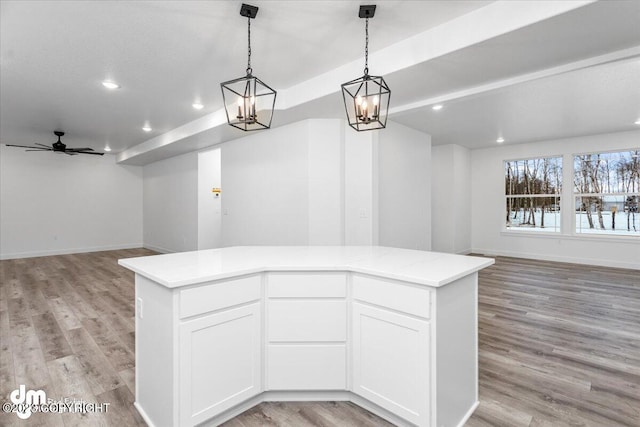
[[53, 343], [29, 365], [121, 410], [559, 345], [96, 367], [70, 379], [64, 314]]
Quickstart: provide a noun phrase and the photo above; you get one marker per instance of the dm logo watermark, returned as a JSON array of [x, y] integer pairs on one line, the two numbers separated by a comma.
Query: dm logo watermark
[[25, 402]]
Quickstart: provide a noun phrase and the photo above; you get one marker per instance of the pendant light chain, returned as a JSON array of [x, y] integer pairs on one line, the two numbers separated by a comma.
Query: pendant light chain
[[366, 47], [249, 70]]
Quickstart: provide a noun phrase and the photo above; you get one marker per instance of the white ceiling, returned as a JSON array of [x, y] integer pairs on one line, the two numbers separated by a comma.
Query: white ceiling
[[166, 55]]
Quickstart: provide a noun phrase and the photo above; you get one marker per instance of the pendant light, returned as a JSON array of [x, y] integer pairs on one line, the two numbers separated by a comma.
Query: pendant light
[[366, 99], [248, 101]]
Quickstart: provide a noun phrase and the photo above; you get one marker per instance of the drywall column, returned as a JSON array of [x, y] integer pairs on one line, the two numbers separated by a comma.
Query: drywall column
[[325, 182], [403, 187], [170, 203], [209, 202], [451, 198], [358, 187]]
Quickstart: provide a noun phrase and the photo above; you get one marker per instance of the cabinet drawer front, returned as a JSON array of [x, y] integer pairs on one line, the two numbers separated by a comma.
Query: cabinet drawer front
[[306, 285], [409, 299], [307, 320], [219, 295], [307, 367]]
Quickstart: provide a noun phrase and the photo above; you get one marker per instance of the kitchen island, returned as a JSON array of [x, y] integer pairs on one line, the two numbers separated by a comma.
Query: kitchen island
[[392, 330]]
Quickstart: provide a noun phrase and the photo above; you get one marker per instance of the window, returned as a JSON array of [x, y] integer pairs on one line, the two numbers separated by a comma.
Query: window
[[532, 190], [607, 192]]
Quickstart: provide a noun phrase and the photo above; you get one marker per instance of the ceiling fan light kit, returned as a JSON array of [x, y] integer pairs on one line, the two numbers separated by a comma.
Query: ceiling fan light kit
[[248, 102], [366, 99]]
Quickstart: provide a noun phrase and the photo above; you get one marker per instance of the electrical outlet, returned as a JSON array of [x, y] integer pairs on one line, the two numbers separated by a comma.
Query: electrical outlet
[[139, 307]]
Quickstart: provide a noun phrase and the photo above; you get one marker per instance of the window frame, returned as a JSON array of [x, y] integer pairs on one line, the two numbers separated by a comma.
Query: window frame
[[575, 195], [559, 195]]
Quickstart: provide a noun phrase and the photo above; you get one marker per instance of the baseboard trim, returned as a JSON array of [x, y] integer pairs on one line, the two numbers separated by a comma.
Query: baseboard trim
[[468, 414], [34, 254], [157, 248], [303, 396], [143, 414], [559, 258]]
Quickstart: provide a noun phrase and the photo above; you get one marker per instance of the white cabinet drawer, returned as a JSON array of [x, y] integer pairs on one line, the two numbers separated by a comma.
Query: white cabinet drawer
[[218, 295], [306, 320], [409, 299], [306, 285], [307, 367]]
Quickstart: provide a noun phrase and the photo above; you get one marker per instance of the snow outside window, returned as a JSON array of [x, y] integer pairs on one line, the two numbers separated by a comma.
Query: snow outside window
[[532, 190], [607, 192]]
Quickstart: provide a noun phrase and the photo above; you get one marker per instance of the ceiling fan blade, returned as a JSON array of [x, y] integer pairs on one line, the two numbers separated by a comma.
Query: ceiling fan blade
[[42, 145], [68, 154], [38, 149], [80, 149], [89, 152], [23, 146]]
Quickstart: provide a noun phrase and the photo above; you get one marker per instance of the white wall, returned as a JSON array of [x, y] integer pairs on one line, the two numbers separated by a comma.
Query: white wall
[[56, 204], [326, 182], [451, 199], [487, 183], [171, 204], [209, 204], [403, 193], [359, 182], [308, 183], [265, 178]]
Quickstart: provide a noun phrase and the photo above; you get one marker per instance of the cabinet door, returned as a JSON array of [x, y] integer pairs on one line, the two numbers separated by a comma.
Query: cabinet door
[[219, 362], [391, 361]]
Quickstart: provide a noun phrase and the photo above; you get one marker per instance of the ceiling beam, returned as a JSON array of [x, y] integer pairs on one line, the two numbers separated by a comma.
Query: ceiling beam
[[491, 21]]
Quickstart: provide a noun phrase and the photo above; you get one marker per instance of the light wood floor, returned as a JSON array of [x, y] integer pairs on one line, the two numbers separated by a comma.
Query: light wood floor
[[559, 345]]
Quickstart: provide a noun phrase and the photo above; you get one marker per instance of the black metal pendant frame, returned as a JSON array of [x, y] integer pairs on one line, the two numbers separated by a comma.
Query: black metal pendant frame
[[256, 100], [250, 116], [366, 99], [366, 88]]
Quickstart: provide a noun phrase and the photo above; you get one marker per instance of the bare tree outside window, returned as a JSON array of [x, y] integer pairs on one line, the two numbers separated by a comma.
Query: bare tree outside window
[[532, 190], [607, 192]]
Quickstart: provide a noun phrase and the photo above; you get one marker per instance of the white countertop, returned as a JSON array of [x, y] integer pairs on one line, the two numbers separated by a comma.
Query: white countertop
[[188, 268]]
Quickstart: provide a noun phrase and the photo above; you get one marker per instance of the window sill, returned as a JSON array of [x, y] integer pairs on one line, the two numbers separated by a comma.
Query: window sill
[[574, 236]]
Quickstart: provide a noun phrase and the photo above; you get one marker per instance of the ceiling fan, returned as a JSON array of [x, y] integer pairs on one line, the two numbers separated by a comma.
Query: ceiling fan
[[58, 147]]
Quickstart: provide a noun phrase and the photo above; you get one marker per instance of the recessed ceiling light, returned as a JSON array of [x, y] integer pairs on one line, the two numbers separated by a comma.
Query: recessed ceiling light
[[110, 85], [107, 148], [500, 140], [146, 128], [197, 106], [437, 107], [637, 122]]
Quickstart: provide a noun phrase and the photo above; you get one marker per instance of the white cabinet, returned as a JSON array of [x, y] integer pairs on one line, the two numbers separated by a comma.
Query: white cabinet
[[310, 320], [306, 331], [306, 367], [391, 360], [220, 360], [207, 352]]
